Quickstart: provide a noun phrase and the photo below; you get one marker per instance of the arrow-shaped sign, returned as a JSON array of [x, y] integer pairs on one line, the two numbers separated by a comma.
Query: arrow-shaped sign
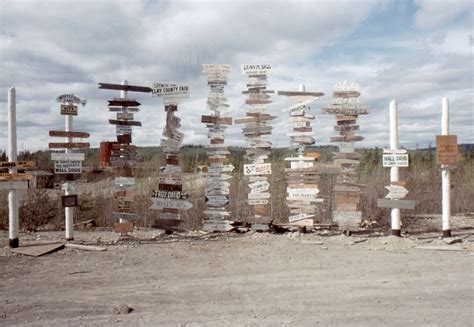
[[396, 192]]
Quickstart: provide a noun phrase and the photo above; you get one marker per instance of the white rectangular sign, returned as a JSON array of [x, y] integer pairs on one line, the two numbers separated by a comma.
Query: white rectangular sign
[[123, 129], [170, 90], [55, 156], [125, 181], [300, 216], [254, 196], [14, 185], [159, 203], [258, 169], [260, 186], [256, 202], [255, 69], [68, 167], [395, 160]]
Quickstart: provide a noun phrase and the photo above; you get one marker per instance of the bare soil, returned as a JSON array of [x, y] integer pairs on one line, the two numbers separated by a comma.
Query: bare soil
[[252, 279]]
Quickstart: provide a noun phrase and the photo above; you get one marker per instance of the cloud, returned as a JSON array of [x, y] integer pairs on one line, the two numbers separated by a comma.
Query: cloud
[[433, 13]]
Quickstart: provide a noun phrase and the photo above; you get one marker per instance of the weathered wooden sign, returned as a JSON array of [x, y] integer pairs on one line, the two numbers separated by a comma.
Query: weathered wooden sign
[[258, 169], [68, 110], [122, 87], [68, 134], [69, 200], [69, 145], [13, 184], [123, 103], [123, 228], [68, 167], [396, 192], [70, 98], [447, 152], [125, 122], [125, 181], [395, 203], [15, 177], [17, 164], [160, 203]]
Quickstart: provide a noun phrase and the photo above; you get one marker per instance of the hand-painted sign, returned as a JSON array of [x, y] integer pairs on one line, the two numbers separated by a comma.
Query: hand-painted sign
[[400, 204], [13, 185], [395, 160], [159, 203], [70, 98], [258, 169], [15, 177], [125, 181], [68, 110], [68, 145], [17, 164], [396, 192], [68, 167], [447, 150], [170, 195], [170, 90], [255, 69], [68, 134]]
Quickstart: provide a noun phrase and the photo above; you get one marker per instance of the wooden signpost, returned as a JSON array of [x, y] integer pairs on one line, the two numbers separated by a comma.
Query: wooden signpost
[[300, 188], [394, 157], [216, 187], [68, 162], [170, 198], [255, 131], [123, 157], [347, 108]]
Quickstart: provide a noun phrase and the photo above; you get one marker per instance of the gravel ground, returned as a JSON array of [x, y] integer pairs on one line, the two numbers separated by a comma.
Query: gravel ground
[[252, 279]]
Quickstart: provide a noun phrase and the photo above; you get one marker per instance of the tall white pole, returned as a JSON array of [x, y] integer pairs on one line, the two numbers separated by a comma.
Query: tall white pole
[[394, 170], [445, 174], [69, 211], [13, 222]]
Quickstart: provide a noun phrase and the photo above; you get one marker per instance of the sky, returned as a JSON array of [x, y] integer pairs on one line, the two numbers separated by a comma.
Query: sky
[[414, 51]]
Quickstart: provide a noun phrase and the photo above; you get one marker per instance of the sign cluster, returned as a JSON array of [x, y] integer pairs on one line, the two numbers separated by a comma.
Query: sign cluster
[[68, 163], [346, 106], [218, 170], [170, 198], [123, 156], [258, 150], [302, 176]]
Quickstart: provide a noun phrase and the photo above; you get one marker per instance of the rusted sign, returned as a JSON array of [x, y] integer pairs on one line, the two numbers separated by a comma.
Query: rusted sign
[[69, 145], [123, 227], [67, 109]]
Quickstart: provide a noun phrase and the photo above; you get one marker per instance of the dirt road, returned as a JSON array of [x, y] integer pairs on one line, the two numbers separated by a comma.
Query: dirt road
[[242, 280]]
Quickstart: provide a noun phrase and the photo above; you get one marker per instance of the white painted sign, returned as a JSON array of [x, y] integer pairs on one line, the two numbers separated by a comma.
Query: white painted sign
[[258, 169], [256, 202], [123, 129], [395, 151], [170, 90], [70, 98], [395, 160], [260, 186], [301, 164], [55, 156], [14, 185], [68, 167], [216, 176], [216, 213], [396, 192], [216, 198], [255, 69], [300, 216], [254, 196], [159, 203], [125, 181]]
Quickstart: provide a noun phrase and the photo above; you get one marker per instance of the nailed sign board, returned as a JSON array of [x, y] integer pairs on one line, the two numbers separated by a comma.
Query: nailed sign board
[[68, 110], [68, 134], [447, 150], [15, 177], [14, 185], [68, 167], [69, 145], [395, 160], [123, 129], [17, 164], [159, 203], [69, 201], [300, 216], [347, 218], [123, 227], [258, 169], [255, 69], [70, 98], [125, 122], [124, 215], [396, 192], [126, 181], [170, 195], [400, 204], [170, 90]]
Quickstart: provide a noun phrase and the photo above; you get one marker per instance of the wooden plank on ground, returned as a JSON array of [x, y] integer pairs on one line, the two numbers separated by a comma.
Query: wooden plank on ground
[[36, 250]]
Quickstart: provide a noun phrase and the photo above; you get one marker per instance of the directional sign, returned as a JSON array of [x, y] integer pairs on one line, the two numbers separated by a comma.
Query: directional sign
[[68, 134], [254, 196], [13, 185], [170, 195], [121, 87], [17, 164], [257, 202], [260, 186], [216, 213], [68, 145], [395, 151], [68, 167], [255, 69], [258, 169], [15, 177], [400, 204], [159, 203], [300, 216], [216, 120], [219, 176], [300, 93], [395, 160], [125, 115], [125, 181], [396, 192], [345, 111], [68, 110], [217, 225], [124, 103], [125, 122], [124, 215]]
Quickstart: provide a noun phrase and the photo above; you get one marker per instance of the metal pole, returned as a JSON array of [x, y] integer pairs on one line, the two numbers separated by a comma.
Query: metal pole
[[394, 176], [13, 222], [69, 211], [445, 174]]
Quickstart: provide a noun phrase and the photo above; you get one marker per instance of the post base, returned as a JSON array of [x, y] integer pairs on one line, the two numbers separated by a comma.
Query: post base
[[70, 239], [396, 232], [447, 233], [14, 243]]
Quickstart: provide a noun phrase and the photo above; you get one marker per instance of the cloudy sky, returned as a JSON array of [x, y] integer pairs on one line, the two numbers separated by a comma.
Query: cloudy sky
[[414, 51]]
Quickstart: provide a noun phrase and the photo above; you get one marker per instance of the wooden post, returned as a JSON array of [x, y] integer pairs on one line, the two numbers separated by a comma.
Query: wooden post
[[445, 174], [13, 224], [394, 171]]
